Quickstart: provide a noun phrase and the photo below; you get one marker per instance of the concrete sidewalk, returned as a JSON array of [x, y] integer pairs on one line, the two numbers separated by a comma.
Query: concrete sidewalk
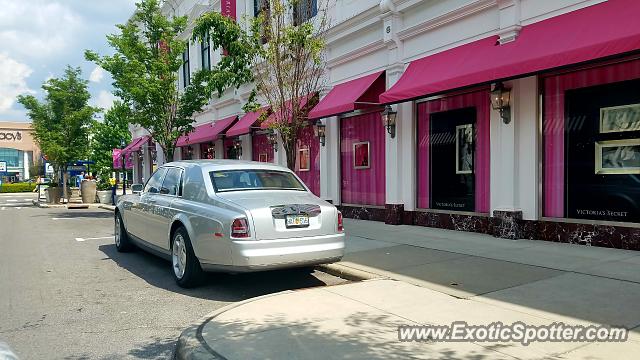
[[432, 276]]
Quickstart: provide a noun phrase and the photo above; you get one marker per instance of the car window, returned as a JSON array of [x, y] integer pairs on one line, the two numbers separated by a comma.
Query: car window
[[255, 179], [153, 185], [172, 182]]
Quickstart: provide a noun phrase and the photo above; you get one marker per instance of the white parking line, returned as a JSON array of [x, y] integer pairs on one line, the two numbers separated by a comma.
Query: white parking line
[[94, 238], [12, 200]]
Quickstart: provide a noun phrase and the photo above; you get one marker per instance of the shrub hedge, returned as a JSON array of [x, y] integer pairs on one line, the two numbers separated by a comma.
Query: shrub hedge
[[17, 187]]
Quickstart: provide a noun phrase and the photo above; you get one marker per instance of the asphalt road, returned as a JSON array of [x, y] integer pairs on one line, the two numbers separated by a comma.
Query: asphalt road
[[66, 293]]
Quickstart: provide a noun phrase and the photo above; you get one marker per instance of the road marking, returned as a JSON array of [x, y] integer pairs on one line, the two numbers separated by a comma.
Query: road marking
[[12, 200], [77, 218], [94, 238], [3, 208]]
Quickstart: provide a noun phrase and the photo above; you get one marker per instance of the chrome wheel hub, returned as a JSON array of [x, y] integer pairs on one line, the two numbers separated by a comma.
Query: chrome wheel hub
[[117, 231], [179, 256]]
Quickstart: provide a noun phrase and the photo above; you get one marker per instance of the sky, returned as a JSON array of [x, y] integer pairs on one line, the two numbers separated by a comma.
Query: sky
[[38, 38]]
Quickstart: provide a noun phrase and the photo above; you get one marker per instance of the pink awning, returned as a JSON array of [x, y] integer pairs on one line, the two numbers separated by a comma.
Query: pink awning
[[206, 132], [135, 143], [598, 31], [243, 126], [139, 144], [117, 159], [276, 115], [360, 93]]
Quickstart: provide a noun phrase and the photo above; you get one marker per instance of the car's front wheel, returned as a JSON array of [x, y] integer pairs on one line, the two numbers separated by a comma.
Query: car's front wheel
[[186, 267], [121, 237]]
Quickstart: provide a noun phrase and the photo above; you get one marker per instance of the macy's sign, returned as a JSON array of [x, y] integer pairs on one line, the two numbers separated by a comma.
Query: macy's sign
[[10, 136]]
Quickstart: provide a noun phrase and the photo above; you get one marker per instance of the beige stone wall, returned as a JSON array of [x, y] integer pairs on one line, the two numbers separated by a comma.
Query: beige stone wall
[[17, 135]]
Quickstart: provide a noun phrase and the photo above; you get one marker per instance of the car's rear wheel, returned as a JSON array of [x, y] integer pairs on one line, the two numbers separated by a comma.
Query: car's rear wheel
[[121, 237], [186, 267]]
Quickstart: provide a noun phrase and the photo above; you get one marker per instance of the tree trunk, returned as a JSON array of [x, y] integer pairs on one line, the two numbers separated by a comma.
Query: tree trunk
[[290, 152], [65, 178]]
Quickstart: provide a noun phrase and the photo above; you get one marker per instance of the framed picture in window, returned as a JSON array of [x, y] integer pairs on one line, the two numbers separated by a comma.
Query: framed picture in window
[[361, 155], [304, 161], [620, 118], [263, 157], [464, 149], [618, 157]]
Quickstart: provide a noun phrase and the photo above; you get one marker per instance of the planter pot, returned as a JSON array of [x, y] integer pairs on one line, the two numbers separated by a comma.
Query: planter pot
[[88, 192], [53, 195], [104, 196]]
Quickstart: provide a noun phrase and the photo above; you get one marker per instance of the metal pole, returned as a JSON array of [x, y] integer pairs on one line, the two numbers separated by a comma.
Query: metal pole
[[124, 178]]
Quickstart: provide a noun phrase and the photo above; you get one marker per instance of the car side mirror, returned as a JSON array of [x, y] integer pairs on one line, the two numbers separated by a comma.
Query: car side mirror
[[137, 188]]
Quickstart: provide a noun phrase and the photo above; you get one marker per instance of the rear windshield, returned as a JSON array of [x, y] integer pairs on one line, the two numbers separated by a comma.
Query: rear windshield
[[235, 180]]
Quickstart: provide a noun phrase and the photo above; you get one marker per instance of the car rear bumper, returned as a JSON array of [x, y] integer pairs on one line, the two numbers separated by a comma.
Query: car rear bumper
[[257, 255]]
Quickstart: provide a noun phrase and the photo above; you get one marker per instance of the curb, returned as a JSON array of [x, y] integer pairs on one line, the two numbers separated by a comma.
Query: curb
[[191, 344], [347, 272], [72, 206]]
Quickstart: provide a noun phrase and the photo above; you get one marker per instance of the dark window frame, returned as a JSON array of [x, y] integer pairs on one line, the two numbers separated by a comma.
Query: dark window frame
[[205, 52], [186, 72], [305, 11]]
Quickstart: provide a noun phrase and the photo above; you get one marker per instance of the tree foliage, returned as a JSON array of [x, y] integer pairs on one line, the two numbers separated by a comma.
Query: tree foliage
[[145, 68], [289, 67], [282, 54], [108, 135], [61, 122]]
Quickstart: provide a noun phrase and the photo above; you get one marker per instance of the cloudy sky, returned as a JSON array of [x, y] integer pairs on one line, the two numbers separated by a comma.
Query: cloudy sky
[[39, 37]]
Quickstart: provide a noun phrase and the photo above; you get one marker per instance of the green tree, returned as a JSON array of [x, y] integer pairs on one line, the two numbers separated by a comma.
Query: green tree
[[145, 67], [285, 47], [61, 122], [107, 135]]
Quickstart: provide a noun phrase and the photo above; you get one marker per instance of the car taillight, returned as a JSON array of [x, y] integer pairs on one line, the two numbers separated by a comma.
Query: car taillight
[[340, 226], [240, 228]]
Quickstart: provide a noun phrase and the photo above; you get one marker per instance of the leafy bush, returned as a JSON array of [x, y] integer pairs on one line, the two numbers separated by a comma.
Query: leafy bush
[[17, 187]]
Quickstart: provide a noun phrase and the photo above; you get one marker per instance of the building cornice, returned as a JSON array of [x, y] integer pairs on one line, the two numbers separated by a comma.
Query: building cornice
[[356, 53], [441, 20]]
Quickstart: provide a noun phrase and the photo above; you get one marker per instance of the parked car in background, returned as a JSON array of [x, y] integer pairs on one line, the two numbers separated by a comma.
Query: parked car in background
[[229, 216]]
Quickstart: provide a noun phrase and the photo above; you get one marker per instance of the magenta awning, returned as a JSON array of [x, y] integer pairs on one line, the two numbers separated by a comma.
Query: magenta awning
[[143, 140], [135, 143], [244, 125], [277, 115], [206, 132], [598, 31], [360, 93]]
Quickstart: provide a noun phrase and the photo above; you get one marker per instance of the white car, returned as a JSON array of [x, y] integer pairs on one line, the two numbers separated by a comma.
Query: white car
[[230, 216]]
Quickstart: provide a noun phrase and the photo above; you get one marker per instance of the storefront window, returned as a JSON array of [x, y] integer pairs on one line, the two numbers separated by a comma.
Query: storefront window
[[308, 159], [453, 153], [12, 157], [592, 144], [362, 152], [262, 149], [187, 153], [207, 151]]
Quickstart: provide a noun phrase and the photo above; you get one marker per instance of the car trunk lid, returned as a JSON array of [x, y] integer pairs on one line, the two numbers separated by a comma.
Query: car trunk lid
[[270, 209]]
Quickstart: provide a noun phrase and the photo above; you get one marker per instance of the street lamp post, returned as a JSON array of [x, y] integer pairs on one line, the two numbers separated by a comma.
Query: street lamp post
[[124, 174]]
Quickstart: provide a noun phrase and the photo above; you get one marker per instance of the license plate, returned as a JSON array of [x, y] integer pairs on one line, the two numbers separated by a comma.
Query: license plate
[[297, 220]]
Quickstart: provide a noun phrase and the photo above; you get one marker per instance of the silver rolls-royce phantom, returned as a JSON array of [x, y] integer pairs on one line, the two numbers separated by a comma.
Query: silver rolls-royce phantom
[[228, 215]]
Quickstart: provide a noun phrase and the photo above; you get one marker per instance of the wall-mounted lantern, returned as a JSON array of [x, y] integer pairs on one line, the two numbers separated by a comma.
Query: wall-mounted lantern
[[501, 101], [319, 130], [273, 139], [237, 146], [389, 120]]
